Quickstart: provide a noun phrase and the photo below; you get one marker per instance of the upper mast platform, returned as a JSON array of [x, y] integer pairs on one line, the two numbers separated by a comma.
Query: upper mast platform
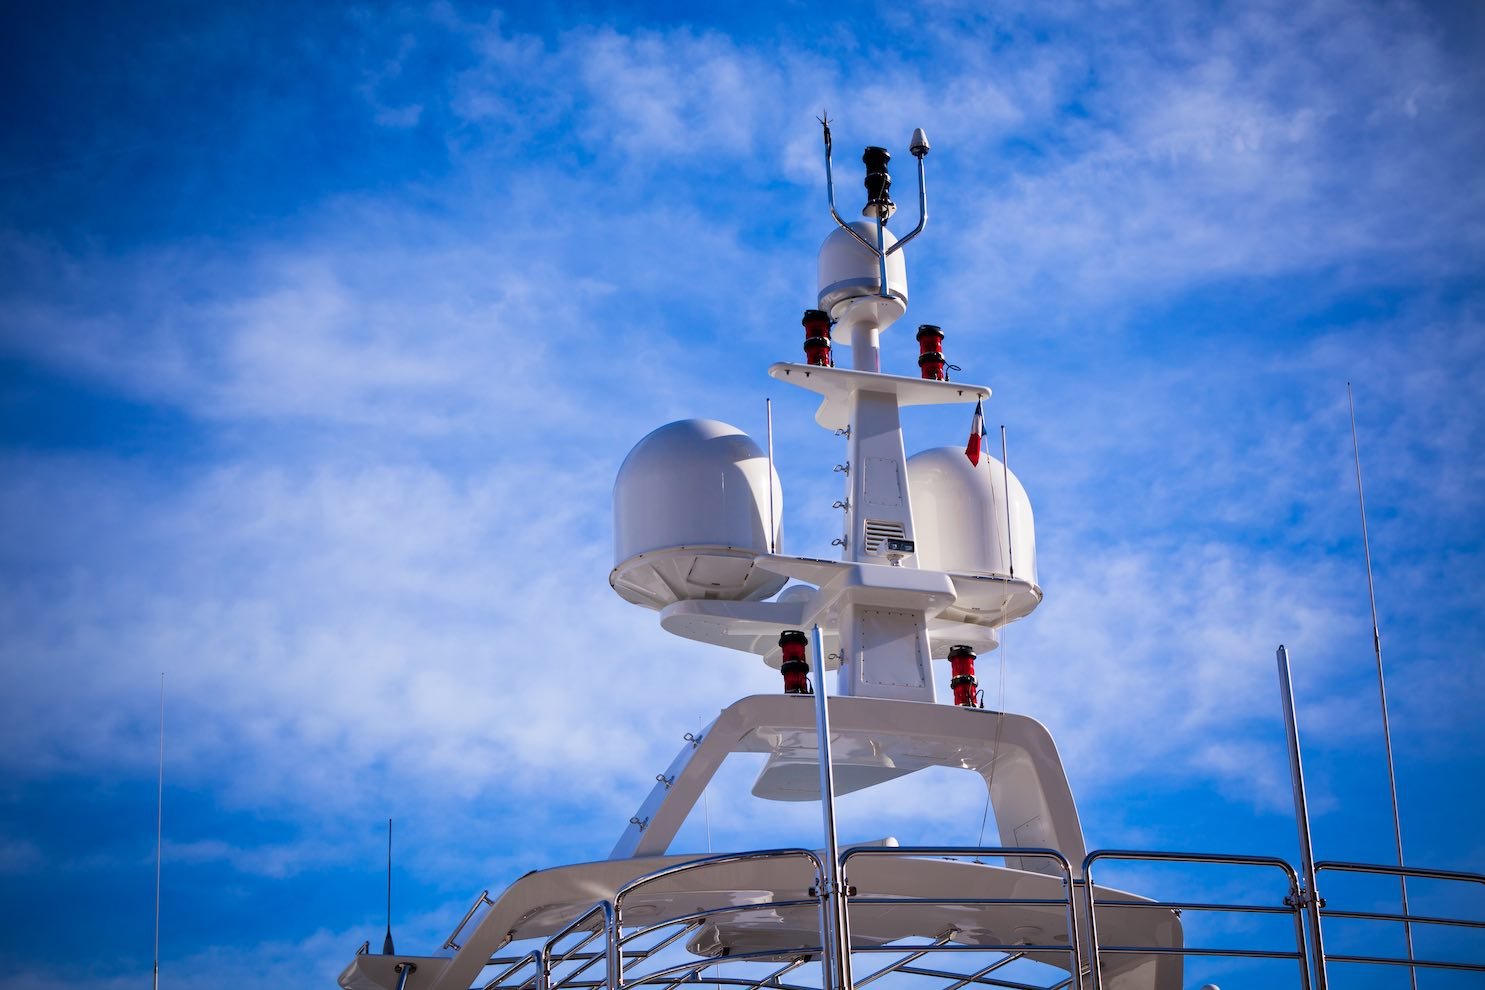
[[836, 386]]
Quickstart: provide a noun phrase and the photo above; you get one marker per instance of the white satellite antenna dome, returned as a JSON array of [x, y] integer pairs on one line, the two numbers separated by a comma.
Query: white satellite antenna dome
[[960, 519], [850, 273], [691, 512]]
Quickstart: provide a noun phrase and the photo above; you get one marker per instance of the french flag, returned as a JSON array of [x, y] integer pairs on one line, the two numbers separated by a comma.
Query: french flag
[[976, 435]]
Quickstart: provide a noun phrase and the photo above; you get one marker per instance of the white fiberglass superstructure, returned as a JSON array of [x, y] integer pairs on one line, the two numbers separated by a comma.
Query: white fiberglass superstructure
[[938, 554]]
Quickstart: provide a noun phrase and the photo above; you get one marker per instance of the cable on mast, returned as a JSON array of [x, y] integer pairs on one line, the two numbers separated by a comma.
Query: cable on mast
[[1371, 595]]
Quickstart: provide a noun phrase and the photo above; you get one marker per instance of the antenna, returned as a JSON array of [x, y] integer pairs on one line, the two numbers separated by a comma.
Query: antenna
[[1005, 480], [879, 203], [387, 949], [159, 827], [773, 543], [1371, 595]]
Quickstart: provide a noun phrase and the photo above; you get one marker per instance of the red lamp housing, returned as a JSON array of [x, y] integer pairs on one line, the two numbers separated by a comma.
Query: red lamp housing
[[817, 338], [931, 352], [963, 683], [794, 667]]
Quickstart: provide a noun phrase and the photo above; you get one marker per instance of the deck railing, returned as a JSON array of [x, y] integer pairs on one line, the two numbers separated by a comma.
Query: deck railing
[[1283, 901], [604, 950], [1423, 924]]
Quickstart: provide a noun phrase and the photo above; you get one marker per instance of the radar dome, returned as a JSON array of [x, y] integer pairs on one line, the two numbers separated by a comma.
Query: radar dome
[[959, 515], [850, 275], [691, 512]]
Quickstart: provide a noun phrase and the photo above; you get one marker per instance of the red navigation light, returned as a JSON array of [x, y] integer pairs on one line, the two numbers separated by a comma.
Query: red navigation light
[[794, 667], [962, 666], [817, 338], [931, 352]]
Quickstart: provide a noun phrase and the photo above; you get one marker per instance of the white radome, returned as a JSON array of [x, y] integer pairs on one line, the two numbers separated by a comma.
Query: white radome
[[850, 279], [691, 512], [959, 516]]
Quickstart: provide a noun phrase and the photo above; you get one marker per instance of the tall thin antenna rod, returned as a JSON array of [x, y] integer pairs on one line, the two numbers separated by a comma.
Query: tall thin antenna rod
[[1005, 479], [1371, 595], [159, 827], [387, 949], [773, 543]]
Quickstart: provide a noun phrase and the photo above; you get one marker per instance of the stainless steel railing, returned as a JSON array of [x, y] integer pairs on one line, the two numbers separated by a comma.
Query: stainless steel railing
[[600, 951], [689, 923], [1424, 923], [536, 959], [1286, 904], [1072, 949], [599, 922], [481, 901]]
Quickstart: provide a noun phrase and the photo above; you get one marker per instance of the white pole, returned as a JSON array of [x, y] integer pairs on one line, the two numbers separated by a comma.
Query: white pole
[[1005, 480], [1309, 897], [773, 543], [1371, 595], [159, 827], [840, 949], [387, 947]]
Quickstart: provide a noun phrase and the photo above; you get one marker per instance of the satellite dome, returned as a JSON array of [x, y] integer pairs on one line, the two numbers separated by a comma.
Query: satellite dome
[[691, 512], [959, 515], [960, 525], [850, 273]]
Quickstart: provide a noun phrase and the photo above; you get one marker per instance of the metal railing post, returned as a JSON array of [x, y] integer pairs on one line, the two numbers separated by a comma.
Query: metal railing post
[[614, 958], [839, 937], [1309, 896]]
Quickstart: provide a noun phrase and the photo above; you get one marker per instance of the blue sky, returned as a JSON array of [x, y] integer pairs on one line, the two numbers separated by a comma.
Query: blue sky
[[324, 330]]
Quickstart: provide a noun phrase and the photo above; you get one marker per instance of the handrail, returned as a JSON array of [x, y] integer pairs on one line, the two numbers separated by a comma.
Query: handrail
[[1405, 871], [696, 919], [1291, 907], [604, 910], [616, 923], [1419, 919], [534, 957], [1073, 948], [622, 949], [449, 942], [1406, 917], [720, 859]]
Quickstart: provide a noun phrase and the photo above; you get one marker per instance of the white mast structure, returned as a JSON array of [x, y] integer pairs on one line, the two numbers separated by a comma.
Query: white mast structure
[[911, 582], [924, 575]]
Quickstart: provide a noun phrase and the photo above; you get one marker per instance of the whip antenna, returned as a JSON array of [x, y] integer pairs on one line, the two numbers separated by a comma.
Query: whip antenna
[[387, 949], [159, 827], [773, 542], [1381, 686], [1005, 479]]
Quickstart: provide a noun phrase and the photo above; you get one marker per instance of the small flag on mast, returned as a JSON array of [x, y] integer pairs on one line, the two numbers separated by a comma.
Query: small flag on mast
[[976, 434]]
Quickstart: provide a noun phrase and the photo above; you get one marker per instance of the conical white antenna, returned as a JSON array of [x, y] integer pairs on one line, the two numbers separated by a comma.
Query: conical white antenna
[[387, 949], [1371, 595], [159, 827]]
